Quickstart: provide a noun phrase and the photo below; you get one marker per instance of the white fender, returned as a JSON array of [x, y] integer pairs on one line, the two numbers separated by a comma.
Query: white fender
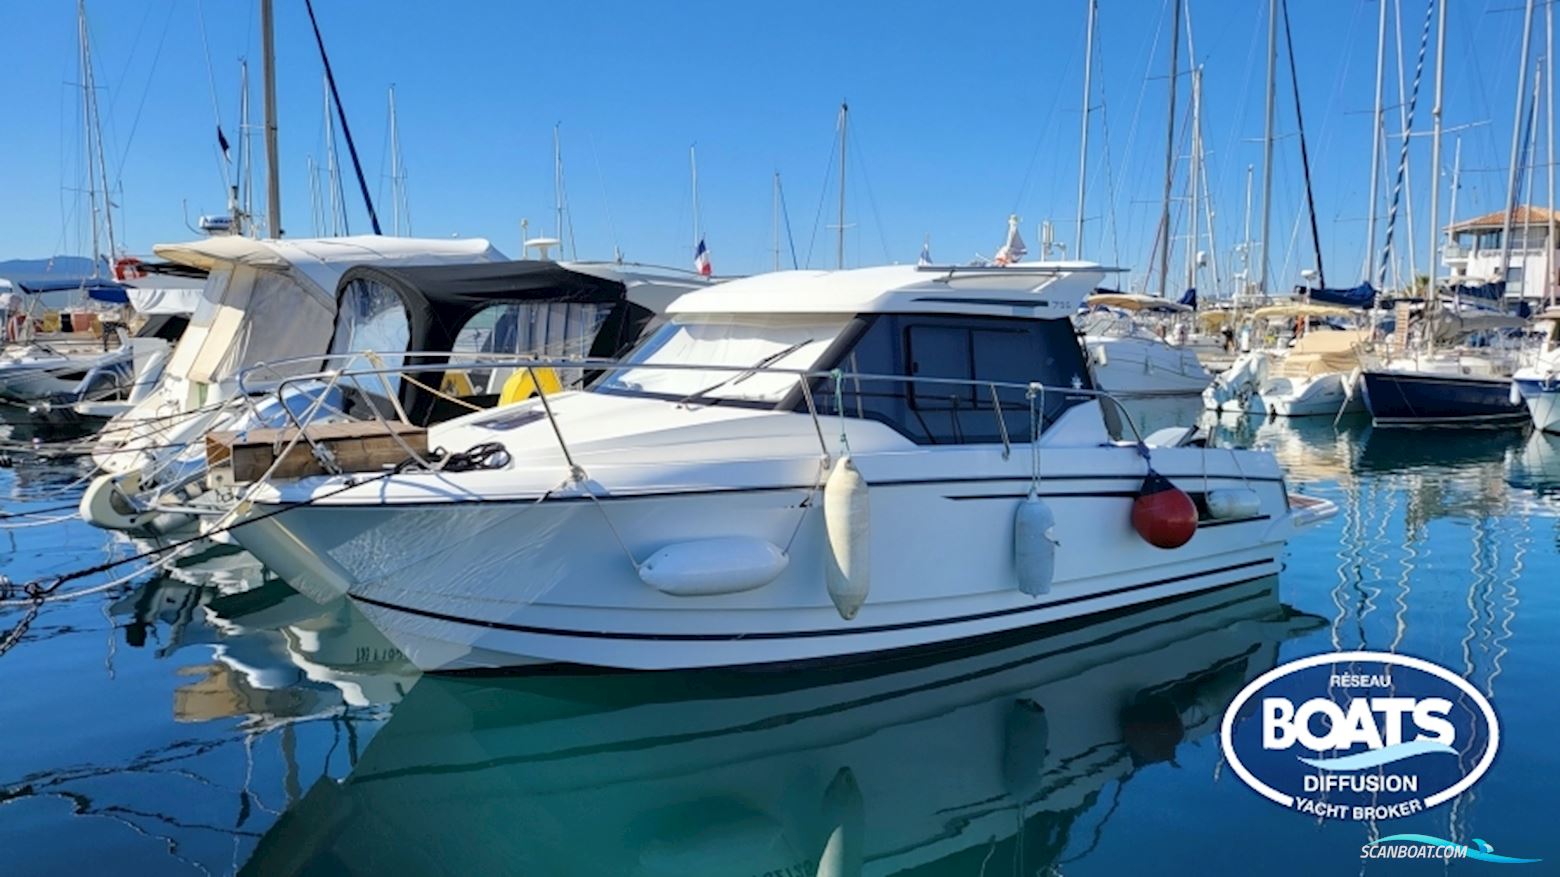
[[1516, 394], [103, 503], [1236, 502], [1034, 545], [847, 569], [704, 567]]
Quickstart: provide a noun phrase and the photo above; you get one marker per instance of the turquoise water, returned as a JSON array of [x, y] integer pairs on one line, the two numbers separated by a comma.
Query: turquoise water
[[212, 721]]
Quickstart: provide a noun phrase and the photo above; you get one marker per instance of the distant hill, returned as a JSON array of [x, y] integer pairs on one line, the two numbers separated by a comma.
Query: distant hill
[[24, 270]]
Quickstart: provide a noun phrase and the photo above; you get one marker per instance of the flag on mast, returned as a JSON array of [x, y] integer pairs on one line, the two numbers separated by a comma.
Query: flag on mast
[[222, 141], [1013, 248], [701, 259]]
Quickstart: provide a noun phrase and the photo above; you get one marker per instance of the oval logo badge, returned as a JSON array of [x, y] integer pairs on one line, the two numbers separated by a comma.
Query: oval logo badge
[[1360, 735]]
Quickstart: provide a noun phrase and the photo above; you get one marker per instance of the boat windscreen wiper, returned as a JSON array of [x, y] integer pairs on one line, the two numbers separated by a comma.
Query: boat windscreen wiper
[[738, 378]]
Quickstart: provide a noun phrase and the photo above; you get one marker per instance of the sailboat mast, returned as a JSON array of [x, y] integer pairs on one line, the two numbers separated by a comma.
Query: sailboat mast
[[774, 208], [86, 133], [693, 174], [338, 207], [396, 194], [1083, 133], [1516, 143], [1164, 213], [1192, 174], [1549, 239], [1267, 143], [558, 186], [273, 176], [1377, 124], [1435, 149], [96, 136], [839, 260], [1245, 244], [245, 203]]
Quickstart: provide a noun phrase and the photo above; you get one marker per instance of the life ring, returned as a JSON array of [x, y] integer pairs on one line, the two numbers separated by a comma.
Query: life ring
[[128, 268]]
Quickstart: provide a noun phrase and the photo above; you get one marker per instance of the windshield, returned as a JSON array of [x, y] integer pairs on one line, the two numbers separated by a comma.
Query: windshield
[[741, 347]]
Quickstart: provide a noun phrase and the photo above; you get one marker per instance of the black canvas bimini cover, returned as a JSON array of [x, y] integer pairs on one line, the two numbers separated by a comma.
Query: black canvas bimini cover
[[441, 299]]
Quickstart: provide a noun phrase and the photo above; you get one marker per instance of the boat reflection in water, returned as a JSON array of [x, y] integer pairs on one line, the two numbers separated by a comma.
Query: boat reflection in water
[[276, 656], [967, 760], [1536, 465]]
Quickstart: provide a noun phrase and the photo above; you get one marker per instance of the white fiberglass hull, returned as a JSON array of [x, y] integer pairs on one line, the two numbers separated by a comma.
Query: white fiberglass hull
[[1541, 393], [1135, 366], [1324, 395], [466, 578]]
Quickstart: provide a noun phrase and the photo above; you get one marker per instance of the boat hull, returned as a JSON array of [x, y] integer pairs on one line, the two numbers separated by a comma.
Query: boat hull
[[1322, 396], [1400, 398], [1542, 398], [557, 580], [1140, 367]]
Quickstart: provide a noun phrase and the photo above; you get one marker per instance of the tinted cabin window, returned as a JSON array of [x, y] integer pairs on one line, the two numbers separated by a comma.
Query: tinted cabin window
[[960, 349]]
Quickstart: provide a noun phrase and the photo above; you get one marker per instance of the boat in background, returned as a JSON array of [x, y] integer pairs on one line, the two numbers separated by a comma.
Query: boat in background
[[714, 499], [1125, 336], [1538, 380], [1309, 376], [1455, 373], [263, 301], [387, 316]]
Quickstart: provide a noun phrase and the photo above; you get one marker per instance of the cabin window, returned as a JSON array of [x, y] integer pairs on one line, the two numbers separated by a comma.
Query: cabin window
[[538, 330], [371, 317], [745, 358], [960, 350]]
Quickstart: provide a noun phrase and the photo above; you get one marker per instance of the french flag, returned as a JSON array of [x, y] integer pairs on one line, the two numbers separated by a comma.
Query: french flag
[[701, 259]]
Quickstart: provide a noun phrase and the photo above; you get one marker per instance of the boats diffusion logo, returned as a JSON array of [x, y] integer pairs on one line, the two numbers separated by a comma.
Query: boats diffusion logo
[[1360, 735]]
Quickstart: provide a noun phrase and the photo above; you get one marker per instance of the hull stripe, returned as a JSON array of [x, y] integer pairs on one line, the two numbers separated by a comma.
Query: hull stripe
[[805, 634]]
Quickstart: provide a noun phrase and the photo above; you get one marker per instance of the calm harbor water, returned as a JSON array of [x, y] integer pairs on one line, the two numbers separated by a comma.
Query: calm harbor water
[[212, 721]]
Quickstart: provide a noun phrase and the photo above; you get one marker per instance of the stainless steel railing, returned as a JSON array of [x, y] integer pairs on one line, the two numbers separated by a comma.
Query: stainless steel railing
[[446, 361]]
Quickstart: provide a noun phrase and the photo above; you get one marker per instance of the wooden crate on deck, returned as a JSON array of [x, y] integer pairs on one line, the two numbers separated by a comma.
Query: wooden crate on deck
[[356, 446]]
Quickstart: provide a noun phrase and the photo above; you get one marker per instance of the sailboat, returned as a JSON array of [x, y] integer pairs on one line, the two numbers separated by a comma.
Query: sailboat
[[1436, 377], [83, 353]]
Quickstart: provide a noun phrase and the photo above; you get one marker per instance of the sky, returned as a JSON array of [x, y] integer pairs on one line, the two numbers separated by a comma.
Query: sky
[[959, 116]]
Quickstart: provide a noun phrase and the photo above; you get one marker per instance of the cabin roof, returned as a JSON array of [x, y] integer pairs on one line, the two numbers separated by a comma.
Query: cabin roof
[[1040, 289]]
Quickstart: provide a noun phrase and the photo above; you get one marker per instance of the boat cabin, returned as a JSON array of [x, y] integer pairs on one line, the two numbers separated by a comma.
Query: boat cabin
[[912, 345]]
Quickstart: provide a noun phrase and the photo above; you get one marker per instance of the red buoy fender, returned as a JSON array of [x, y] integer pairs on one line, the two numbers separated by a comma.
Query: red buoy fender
[[1163, 514]]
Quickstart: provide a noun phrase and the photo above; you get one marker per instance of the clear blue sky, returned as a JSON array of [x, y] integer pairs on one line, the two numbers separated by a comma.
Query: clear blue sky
[[960, 115]]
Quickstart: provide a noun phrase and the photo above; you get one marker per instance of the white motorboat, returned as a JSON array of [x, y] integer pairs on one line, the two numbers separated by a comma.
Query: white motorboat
[[1537, 382], [1128, 358], [1314, 377], [391, 314], [718, 498], [941, 765], [263, 301]]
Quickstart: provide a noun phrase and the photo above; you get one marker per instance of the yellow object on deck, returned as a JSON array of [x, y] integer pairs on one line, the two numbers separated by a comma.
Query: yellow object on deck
[[457, 384], [522, 386]]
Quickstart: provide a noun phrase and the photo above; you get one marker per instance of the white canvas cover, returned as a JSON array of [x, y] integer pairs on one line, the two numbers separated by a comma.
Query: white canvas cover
[[266, 301], [165, 300]]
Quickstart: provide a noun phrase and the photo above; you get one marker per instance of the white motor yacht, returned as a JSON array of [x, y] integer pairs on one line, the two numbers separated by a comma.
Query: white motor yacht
[[1128, 358], [1313, 378], [796, 466]]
